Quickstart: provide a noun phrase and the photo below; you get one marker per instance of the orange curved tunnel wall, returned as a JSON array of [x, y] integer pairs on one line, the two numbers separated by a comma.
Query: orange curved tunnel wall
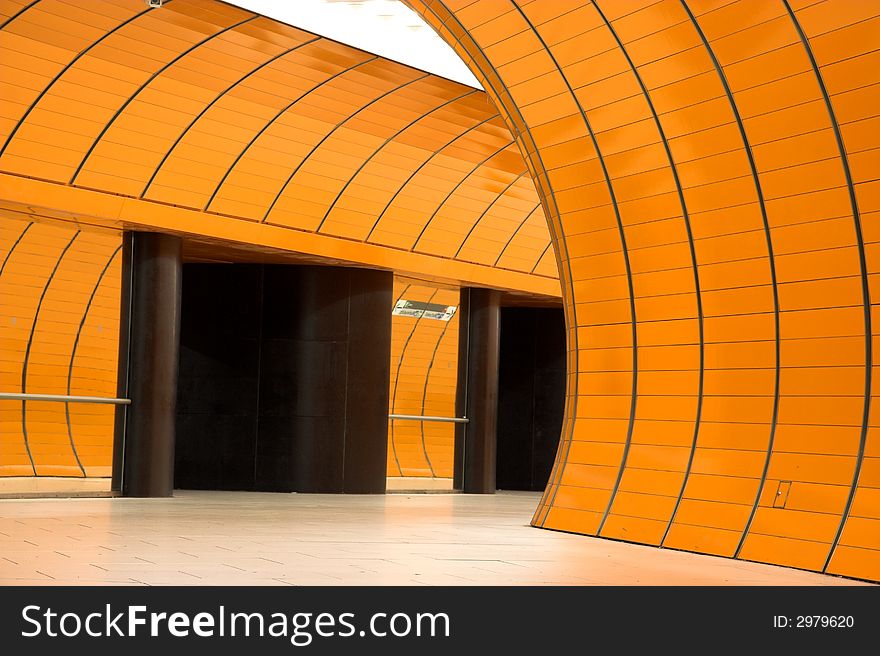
[[709, 173], [59, 312], [424, 366]]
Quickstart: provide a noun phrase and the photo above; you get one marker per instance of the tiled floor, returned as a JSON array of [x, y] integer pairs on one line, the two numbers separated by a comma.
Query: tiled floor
[[417, 484], [52, 486], [228, 538]]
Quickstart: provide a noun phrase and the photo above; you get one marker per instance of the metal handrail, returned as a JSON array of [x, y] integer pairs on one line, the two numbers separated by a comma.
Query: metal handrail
[[61, 398], [451, 420]]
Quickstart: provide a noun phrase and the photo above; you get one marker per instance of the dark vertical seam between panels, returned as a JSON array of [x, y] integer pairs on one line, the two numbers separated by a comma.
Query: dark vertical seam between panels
[[391, 409], [3, 268], [387, 141], [486, 211], [280, 113], [420, 167], [462, 391], [562, 259], [772, 262], [61, 73], [261, 318], [327, 136], [129, 247], [79, 330], [454, 189], [213, 102], [632, 302], [397, 375], [697, 288], [425, 394], [14, 246], [348, 383], [143, 86], [541, 256], [18, 13], [533, 409], [866, 290], [515, 233], [27, 352]]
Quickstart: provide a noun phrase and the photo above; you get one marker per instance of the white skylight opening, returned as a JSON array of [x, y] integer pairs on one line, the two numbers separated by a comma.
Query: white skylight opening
[[383, 27]]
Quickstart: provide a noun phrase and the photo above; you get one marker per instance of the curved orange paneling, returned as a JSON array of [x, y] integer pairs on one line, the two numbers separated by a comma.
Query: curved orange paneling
[[708, 170], [238, 116], [94, 361], [424, 367], [60, 317]]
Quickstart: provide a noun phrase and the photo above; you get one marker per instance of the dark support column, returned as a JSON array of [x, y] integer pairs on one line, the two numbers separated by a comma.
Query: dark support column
[[477, 393], [301, 411], [148, 468], [368, 376], [324, 372]]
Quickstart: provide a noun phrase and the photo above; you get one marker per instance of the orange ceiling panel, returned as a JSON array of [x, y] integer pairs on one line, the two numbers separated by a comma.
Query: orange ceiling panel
[[209, 107]]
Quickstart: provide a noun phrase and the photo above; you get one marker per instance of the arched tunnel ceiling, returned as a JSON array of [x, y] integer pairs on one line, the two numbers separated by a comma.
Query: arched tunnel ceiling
[[205, 106], [710, 169]]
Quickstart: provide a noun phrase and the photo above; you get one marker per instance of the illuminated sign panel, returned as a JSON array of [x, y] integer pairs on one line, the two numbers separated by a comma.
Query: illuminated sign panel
[[420, 310]]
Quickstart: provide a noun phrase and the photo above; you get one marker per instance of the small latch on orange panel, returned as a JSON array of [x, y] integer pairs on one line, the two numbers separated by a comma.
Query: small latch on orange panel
[[781, 497]]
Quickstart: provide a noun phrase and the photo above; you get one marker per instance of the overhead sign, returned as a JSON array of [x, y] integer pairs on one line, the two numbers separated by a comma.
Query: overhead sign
[[420, 310]]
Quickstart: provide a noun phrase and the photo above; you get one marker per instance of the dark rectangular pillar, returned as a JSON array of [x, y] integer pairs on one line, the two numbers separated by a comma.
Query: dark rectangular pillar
[[284, 380], [324, 380], [531, 395], [301, 434], [477, 391], [368, 375], [154, 323]]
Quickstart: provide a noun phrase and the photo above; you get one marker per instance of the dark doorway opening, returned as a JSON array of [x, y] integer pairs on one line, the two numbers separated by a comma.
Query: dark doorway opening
[[219, 375], [531, 395]]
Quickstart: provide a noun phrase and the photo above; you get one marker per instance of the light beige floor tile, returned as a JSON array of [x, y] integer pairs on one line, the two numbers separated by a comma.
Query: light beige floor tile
[[227, 538]]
